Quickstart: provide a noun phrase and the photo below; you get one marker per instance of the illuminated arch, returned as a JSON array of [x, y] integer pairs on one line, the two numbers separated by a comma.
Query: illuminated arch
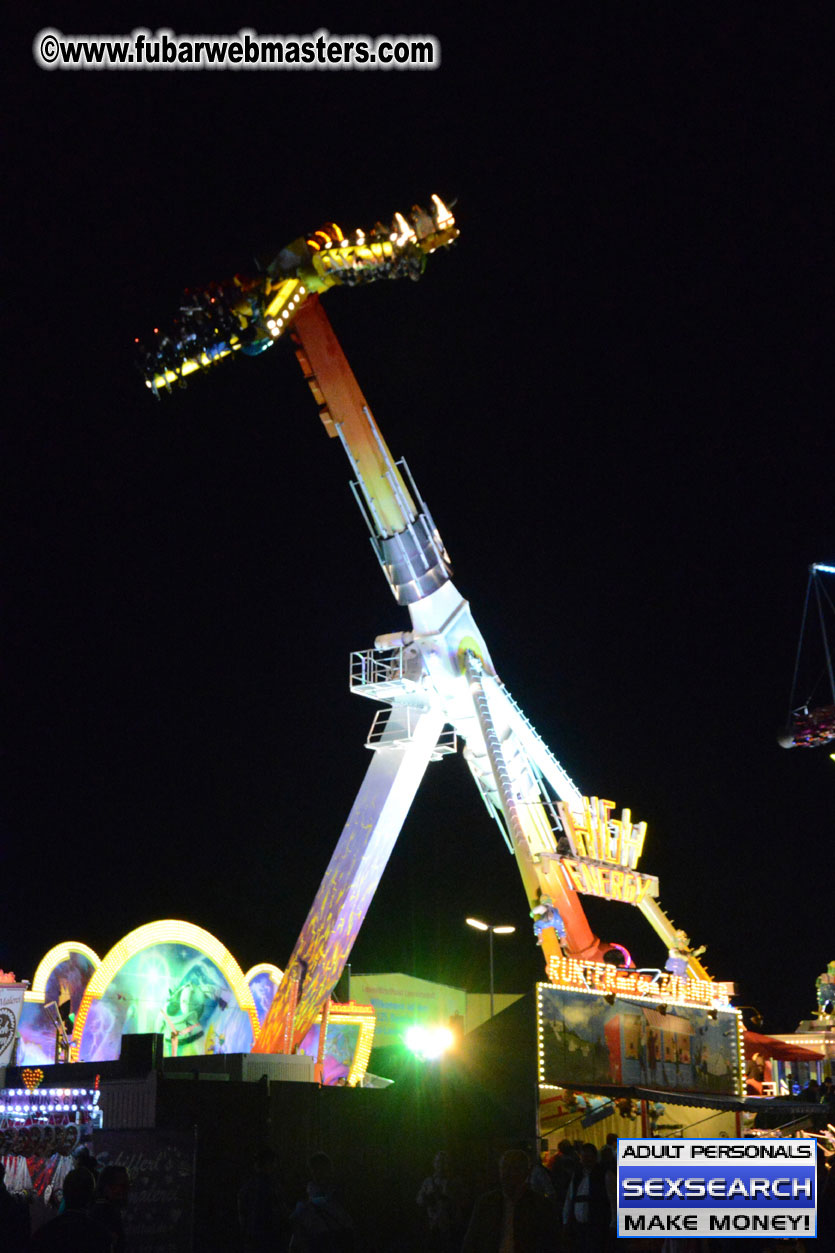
[[167, 931], [256, 977], [65, 969], [265, 968], [60, 953]]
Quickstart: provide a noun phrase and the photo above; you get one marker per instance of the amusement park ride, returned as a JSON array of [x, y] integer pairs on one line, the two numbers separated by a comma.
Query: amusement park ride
[[435, 681], [811, 725]]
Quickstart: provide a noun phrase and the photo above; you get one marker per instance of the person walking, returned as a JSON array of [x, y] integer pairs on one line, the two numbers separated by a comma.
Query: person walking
[[513, 1218]]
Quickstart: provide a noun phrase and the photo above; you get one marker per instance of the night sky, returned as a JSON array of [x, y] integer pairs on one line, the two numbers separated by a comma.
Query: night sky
[[614, 394]]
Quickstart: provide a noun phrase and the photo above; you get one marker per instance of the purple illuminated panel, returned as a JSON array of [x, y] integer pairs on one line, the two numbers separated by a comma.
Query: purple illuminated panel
[[340, 1045], [37, 1031]]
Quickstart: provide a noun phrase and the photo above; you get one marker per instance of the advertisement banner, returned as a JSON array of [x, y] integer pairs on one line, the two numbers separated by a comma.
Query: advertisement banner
[[11, 1008], [716, 1189]]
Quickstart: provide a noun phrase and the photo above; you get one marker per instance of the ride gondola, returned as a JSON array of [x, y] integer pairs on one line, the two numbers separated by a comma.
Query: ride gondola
[[811, 722]]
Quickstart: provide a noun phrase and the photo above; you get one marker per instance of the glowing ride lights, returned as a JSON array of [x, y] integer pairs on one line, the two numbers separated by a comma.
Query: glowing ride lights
[[486, 926], [32, 1105], [173, 931], [248, 313], [46, 1121], [429, 1043], [147, 989], [646, 983]]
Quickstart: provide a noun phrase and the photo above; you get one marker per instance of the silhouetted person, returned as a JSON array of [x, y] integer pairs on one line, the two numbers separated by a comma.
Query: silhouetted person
[[14, 1219], [811, 1092], [74, 1231], [83, 1157], [320, 1223], [112, 1189], [513, 1218], [562, 1166], [262, 1210], [587, 1214], [439, 1198], [609, 1163]]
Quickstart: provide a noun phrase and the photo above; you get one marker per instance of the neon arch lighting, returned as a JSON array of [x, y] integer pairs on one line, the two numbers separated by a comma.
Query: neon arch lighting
[[60, 953], [167, 931]]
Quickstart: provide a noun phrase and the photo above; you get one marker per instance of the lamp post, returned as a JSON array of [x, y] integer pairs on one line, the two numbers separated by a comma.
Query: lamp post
[[491, 930]]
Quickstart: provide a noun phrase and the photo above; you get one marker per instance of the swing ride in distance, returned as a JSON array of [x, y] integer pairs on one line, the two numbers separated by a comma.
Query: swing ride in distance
[[811, 717]]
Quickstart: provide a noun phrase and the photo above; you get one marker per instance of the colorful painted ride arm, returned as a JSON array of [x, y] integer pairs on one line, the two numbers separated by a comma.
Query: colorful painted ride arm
[[360, 857], [403, 534], [416, 565]]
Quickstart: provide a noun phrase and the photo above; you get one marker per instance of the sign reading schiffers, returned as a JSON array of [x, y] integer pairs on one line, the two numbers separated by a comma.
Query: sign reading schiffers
[[605, 852]]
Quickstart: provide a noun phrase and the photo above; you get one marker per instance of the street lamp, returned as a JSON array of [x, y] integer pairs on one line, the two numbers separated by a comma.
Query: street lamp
[[486, 926]]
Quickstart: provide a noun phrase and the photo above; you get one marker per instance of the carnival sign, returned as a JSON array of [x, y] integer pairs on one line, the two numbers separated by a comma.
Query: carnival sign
[[605, 852], [11, 1006]]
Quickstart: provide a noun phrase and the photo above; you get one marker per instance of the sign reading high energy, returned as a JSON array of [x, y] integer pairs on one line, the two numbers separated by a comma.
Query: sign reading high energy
[[716, 1188], [605, 852]]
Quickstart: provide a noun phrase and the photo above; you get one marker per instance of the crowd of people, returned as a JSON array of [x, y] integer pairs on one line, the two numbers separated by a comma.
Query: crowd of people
[[88, 1216], [561, 1202], [318, 1223], [564, 1206], [564, 1202]]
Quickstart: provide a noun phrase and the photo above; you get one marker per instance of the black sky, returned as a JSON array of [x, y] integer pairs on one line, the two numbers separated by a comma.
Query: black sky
[[614, 394]]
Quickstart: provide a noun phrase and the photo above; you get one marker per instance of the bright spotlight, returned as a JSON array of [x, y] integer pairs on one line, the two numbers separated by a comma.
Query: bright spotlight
[[429, 1043]]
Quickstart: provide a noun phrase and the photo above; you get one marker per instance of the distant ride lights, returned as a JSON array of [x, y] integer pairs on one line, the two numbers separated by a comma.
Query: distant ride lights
[[40, 1122], [811, 718]]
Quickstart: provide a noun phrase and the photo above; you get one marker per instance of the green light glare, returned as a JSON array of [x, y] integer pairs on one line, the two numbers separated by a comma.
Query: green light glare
[[429, 1043]]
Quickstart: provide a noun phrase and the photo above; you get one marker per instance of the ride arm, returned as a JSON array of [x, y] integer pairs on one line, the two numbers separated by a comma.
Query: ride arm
[[351, 879], [526, 822], [403, 534]]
